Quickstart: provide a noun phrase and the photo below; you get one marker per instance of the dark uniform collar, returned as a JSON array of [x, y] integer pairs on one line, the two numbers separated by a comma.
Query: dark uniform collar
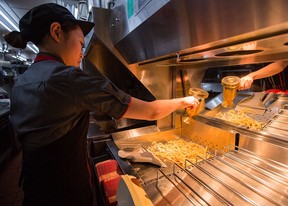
[[43, 56]]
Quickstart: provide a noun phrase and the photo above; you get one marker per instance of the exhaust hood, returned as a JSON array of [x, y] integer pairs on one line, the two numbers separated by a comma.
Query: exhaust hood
[[149, 37], [169, 44], [200, 32]]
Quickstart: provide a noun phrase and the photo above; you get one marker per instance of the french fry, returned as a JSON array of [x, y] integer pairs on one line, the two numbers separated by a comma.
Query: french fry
[[241, 118], [178, 151]]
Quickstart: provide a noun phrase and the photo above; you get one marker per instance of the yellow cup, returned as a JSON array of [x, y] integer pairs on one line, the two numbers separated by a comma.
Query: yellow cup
[[230, 85], [201, 95]]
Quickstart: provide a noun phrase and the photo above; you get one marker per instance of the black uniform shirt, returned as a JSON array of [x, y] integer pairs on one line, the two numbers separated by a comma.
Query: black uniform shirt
[[50, 98]]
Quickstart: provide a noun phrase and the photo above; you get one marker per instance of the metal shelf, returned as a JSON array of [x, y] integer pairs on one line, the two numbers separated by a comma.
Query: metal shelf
[[232, 178]]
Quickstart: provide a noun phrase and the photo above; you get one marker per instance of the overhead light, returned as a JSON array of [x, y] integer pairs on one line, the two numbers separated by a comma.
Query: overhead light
[[33, 48], [9, 21], [83, 10], [5, 26], [76, 12], [21, 58]]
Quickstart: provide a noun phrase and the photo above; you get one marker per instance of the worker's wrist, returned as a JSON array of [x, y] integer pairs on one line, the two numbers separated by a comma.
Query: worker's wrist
[[251, 76]]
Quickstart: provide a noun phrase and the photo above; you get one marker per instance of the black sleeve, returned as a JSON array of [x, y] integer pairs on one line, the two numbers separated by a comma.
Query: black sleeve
[[98, 93]]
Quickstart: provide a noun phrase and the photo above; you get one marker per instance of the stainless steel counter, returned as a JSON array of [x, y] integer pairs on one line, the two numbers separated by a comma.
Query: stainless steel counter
[[234, 176], [246, 167]]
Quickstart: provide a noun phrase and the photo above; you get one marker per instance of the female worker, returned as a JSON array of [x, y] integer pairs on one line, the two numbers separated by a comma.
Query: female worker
[[267, 71], [50, 106]]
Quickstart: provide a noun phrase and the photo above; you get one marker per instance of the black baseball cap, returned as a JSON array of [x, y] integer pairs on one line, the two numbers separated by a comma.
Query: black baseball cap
[[36, 22]]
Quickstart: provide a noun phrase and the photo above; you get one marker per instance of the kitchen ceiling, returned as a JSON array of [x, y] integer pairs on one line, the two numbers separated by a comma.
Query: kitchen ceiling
[[15, 9]]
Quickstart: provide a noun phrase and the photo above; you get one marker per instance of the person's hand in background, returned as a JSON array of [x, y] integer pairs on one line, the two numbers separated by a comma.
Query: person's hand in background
[[245, 82], [267, 71]]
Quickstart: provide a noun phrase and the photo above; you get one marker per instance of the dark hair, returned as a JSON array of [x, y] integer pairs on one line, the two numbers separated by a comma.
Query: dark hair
[[15, 39]]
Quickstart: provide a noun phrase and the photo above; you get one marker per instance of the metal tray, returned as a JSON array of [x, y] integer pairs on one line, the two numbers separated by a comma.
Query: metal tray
[[270, 118]]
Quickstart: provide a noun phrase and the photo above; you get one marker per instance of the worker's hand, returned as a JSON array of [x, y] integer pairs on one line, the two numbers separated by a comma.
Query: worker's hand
[[190, 102], [245, 82]]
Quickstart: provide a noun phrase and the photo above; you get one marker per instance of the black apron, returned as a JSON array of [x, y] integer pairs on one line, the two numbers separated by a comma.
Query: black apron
[[59, 173]]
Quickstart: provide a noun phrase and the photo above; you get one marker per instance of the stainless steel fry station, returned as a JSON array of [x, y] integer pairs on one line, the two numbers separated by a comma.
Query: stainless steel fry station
[[159, 49]]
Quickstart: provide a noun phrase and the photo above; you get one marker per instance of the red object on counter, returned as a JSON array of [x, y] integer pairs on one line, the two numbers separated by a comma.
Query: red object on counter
[[109, 175], [110, 188], [276, 91], [107, 170]]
